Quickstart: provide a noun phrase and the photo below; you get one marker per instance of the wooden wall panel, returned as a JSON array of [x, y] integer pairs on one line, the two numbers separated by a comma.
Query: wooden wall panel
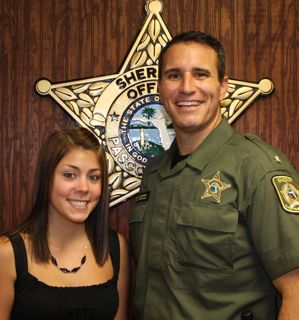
[[75, 39]]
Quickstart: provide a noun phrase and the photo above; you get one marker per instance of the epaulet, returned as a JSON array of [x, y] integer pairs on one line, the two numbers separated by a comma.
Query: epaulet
[[268, 157]]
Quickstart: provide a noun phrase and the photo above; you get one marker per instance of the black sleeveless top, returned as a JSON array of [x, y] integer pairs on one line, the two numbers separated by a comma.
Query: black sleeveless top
[[37, 300]]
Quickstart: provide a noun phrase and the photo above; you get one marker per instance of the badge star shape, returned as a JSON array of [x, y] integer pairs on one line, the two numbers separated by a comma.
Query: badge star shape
[[214, 187]]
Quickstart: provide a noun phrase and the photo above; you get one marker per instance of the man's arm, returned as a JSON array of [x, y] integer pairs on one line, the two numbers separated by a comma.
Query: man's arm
[[288, 287]]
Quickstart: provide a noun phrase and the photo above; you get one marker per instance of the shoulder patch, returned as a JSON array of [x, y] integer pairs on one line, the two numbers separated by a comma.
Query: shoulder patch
[[288, 193]]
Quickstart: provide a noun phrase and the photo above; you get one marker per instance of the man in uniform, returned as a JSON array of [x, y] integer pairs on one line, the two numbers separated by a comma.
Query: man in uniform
[[215, 230]]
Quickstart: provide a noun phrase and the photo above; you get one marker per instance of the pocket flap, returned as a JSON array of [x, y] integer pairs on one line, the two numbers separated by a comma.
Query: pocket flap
[[209, 217]]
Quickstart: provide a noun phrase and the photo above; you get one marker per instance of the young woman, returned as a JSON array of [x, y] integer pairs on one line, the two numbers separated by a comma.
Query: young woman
[[63, 262]]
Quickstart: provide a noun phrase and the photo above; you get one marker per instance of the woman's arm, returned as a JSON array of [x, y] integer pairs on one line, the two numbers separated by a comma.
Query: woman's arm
[[7, 278], [123, 280]]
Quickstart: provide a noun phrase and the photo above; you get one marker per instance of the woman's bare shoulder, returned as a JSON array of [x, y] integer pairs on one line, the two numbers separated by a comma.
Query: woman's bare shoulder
[[7, 260], [5, 247]]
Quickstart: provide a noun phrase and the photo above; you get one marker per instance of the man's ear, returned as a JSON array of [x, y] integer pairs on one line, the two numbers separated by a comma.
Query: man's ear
[[223, 88], [158, 86]]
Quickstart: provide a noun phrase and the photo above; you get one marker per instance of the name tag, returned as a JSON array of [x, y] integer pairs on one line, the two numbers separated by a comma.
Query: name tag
[[143, 196]]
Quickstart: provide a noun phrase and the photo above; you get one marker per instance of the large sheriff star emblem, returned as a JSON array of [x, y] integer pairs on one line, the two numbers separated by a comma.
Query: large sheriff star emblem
[[124, 111]]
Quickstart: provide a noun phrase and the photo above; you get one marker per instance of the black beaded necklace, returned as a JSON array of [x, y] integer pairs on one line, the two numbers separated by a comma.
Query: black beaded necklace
[[65, 270]]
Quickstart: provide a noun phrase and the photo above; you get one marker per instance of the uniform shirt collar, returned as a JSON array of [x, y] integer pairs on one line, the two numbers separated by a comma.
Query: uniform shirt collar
[[200, 157], [203, 154]]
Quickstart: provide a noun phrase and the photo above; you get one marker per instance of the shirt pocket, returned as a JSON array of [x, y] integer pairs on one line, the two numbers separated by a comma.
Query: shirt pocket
[[136, 227], [205, 237]]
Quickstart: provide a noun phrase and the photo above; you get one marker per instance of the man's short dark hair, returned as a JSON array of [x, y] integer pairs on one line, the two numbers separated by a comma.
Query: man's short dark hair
[[197, 37]]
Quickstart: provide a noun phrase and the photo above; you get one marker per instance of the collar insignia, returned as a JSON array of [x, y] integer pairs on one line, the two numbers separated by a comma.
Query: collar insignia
[[288, 193], [277, 159], [214, 187]]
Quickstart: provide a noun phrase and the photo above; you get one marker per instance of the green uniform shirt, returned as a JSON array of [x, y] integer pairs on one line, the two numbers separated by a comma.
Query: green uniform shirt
[[212, 232]]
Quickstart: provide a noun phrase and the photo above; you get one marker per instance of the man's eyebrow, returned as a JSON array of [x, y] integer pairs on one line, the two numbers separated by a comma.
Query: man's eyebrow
[[171, 70], [175, 70], [203, 70]]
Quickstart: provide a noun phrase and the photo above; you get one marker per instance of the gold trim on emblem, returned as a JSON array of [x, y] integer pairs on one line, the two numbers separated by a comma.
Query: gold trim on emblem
[[93, 103]]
